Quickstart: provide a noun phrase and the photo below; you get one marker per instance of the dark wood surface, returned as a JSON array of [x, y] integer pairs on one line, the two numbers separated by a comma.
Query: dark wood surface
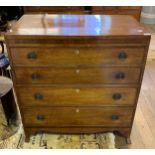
[[76, 41], [134, 11], [93, 56], [77, 25], [91, 75], [76, 86], [78, 116], [78, 96], [55, 10]]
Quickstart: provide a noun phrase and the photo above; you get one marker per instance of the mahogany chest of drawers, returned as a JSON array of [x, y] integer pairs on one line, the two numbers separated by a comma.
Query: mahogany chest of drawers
[[77, 73]]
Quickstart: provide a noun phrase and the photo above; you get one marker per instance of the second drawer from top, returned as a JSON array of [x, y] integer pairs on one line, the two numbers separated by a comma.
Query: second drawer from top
[[65, 75]]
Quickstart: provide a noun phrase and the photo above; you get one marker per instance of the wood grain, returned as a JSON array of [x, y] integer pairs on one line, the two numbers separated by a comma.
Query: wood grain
[[90, 34], [77, 25], [78, 116], [54, 10], [41, 56], [134, 10], [77, 75], [89, 96]]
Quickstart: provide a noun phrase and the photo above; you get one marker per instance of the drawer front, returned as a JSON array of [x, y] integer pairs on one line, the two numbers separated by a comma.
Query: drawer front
[[51, 96], [77, 56], [77, 75], [78, 116]]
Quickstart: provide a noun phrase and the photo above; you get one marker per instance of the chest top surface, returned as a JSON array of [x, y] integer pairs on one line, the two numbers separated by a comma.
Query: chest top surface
[[77, 25]]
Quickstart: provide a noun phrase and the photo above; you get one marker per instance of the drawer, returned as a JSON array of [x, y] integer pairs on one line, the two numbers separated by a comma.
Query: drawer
[[61, 96], [78, 116], [77, 56], [116, 75]]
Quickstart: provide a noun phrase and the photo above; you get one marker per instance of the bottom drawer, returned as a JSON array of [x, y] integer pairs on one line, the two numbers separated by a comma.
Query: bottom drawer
[[78, 116]]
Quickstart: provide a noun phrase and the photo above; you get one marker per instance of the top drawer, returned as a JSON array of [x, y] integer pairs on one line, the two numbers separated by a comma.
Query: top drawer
[[77, 56]]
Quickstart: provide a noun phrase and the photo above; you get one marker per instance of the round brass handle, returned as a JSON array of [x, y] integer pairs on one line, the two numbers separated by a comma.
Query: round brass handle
[[115, 117], [122, 55], [120, 76], [40, 117], [32, 55], [35, 76], [116, 96], [38, 96]]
